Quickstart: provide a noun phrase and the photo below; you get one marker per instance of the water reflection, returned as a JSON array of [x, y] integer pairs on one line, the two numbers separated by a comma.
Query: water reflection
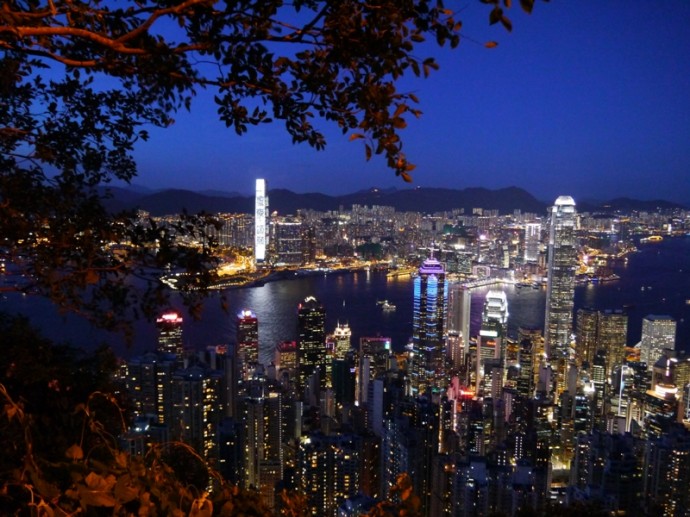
[[653, 282]]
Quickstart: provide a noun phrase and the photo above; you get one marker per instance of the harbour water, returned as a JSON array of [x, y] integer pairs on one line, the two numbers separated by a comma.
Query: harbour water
[[655, 280]]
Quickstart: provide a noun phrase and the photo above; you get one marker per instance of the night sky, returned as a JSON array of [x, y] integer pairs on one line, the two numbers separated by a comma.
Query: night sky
[[589, 99]]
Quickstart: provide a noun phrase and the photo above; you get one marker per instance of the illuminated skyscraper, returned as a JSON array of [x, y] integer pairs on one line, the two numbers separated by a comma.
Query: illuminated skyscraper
[[261, 414], [247, 341], [311, 341], [667, 472], [459, 303], [196, 395], [337, 347], [260, 222], [525, 381], [286, 360], [658, 332], [586, 334], [148, 382], [536, 347], [562, 264], [428, 327], [169, 327], [532, 236], [612, 335], [492, 334], [328, 470], [288, 241], [342, 337]]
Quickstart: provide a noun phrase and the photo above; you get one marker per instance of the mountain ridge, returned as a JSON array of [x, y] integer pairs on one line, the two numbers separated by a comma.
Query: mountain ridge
[[420, 199]]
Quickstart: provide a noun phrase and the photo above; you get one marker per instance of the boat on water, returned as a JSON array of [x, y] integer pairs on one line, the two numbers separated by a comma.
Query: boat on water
[[651, 238], [387, 306]]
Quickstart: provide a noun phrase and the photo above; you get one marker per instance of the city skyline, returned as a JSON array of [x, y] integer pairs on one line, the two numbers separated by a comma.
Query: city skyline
[[433, 349], [573, 101]]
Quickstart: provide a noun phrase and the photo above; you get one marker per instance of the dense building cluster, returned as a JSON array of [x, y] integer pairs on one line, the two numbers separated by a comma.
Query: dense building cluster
[[486, 423]]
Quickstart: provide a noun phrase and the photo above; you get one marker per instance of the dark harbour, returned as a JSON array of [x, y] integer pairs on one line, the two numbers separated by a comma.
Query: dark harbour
[[655, 280]]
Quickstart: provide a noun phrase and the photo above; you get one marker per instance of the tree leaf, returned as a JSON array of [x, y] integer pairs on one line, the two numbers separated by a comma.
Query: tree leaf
[[495, 15], [527, 5], [74, 453]]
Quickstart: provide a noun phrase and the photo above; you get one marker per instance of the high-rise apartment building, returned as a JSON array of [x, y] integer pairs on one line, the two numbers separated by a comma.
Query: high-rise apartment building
[[148, 381], [561, 267], [197, 408], [261, 415], [658, 333], [328, 467], [260, 222], [311, 341], [428, 327], [667, 472], [169, 326]]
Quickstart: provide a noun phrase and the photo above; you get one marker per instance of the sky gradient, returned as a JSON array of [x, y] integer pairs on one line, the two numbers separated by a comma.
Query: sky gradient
[[589, 99]]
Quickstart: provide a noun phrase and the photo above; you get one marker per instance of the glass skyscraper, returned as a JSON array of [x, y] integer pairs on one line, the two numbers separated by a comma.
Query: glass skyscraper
[[658, 333], [311, 341], [561, 266], [428, 327]]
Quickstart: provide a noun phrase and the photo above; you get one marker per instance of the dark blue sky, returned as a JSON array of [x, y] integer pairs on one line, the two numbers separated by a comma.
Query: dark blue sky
[[589, 99]]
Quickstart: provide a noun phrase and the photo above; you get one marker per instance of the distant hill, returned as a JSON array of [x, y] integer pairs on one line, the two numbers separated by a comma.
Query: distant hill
[[420, 199], [626, 204]]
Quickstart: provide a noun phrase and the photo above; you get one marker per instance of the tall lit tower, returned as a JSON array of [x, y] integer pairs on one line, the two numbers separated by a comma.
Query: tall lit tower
[[561, 265], [311, 341], [247, 340], [428, 327], [658, 332], [586, 334], [169, 327], [261, 420], [492, 334], [459, 304], [612, 335], [342, 337], [260, 222], [532, 236]]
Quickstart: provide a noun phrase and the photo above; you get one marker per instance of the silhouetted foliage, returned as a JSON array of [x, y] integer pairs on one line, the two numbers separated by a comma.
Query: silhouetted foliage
[[80, 82]]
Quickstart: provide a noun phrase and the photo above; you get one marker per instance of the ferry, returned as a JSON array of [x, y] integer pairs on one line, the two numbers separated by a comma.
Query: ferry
[[387, 306], [651, 238]]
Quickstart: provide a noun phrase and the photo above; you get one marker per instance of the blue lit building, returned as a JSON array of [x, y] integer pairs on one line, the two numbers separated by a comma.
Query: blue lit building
[[428, 328]]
